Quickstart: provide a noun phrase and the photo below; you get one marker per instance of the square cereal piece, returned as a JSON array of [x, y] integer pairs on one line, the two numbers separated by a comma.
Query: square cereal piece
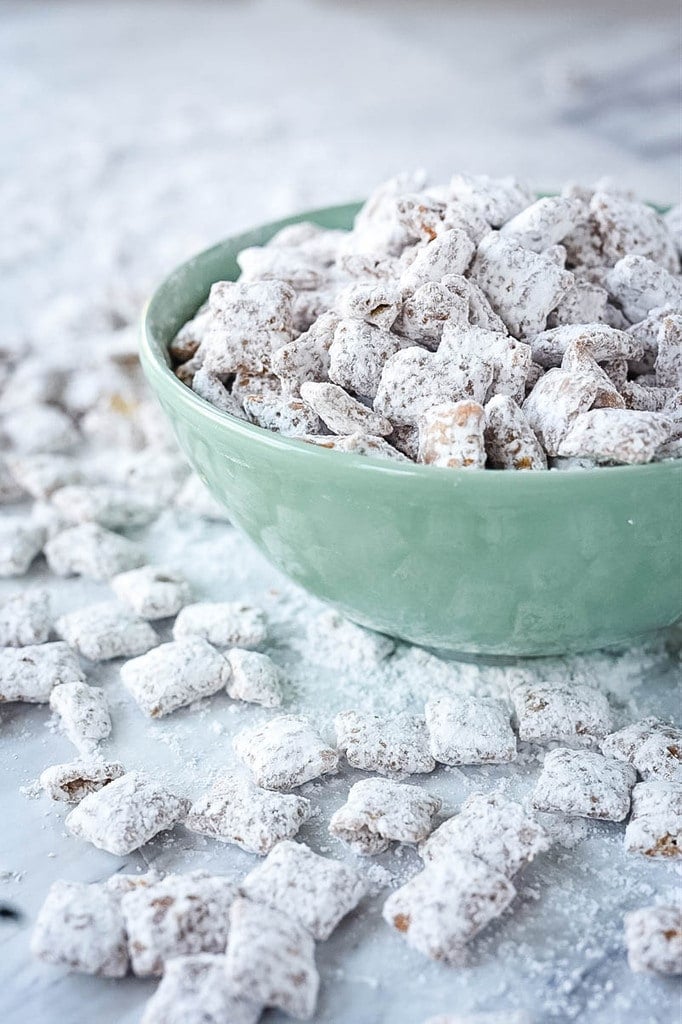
[[255, 678], [30, 673], [584, 784], [89, 550], [223, 623], [333, 639], [655, 827], [235, 811], [469, 730], [491, 827], [175, 674], [177, 916], [70, 783], [152, 593], [653, 936], [81, 927], [83, 713], [44, 473], [126, 814], [445, 905], [315, 891], [284, 753], [37, 428], [25, 619], [396, 744], [196, 990], [271, 959], [20, 543], [380, 811], [112, 506], [652, 746], [566, 712], [121, 883], [108, 630]]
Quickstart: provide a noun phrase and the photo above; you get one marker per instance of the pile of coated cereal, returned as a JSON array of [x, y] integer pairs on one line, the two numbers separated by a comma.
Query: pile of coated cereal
[[225, 950], [469, 325]]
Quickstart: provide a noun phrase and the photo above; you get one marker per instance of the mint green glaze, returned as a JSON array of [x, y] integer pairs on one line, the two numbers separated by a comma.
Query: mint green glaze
[[497, 563]]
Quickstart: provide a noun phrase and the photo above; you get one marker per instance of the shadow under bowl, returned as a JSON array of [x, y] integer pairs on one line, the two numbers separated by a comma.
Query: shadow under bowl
[[493, 563]]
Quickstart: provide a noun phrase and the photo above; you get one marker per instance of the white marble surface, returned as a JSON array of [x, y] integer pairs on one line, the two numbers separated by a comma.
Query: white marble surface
[[138, 133]]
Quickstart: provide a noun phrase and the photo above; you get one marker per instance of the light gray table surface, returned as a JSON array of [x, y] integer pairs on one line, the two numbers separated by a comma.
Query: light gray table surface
[[136, 134]]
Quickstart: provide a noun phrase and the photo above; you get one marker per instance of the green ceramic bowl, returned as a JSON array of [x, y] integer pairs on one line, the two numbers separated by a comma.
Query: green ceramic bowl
[[495, 563]]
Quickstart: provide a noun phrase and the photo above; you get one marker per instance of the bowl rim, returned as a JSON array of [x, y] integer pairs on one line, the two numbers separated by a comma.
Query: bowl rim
[[155, 361]]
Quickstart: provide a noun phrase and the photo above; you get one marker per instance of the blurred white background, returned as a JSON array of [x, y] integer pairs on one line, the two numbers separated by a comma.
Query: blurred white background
[[137, 133]]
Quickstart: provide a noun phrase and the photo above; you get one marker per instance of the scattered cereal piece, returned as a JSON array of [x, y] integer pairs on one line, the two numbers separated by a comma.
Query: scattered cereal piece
[[342, 413], [668, 363], [234, 810], [307, 357], [554, 404], [271, 959], [44, 473], [223, 623], [452, 436], [178, 916], [37, 428], [107, 630], [652, 746], [397, 744], [336, 640], [90, 550], [414, 380], [357, 356], [449, 253], [379, 811], [196, 990], [247, 322], [284, 753], [510, 442], [174, 675], [20, 542], [280, 263], [374, 302], [25, 619], [601, 341], [255, 678], [491, 827], [151, 592], [640, 285], [312, 890], [567, 713], [110, 506], [83, 713], [655, 827], [447, 904], [629, 227], [289, 416], [616, 435], [126, 814], [430, 307], [210, 387], [583, 303], [584, 784], [653, 936], [496, 199], [579, 361], [523, 286], [30, 673], [81, 927], [542, 224], [469, 730], [70, 783]]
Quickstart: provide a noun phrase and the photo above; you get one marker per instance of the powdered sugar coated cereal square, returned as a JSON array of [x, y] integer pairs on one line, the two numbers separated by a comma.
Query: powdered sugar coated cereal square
[[175, 674], [126, 814], [396, 744], [196, 990], [654, 748], [107, 630], [653, 936], [315, 891], [81, 927], [380, 811], [655, 827], [236, 811], [255, 678], [83, 713], [582, 783], [568, 713], [151, 592], [90, 550], [20, 543], [30, 673], [469, 730], [223, 623], [284, 753], [71, 783], [25, 618]]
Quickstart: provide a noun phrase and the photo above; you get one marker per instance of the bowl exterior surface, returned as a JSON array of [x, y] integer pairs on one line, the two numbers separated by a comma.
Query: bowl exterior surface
[[492, 563]]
